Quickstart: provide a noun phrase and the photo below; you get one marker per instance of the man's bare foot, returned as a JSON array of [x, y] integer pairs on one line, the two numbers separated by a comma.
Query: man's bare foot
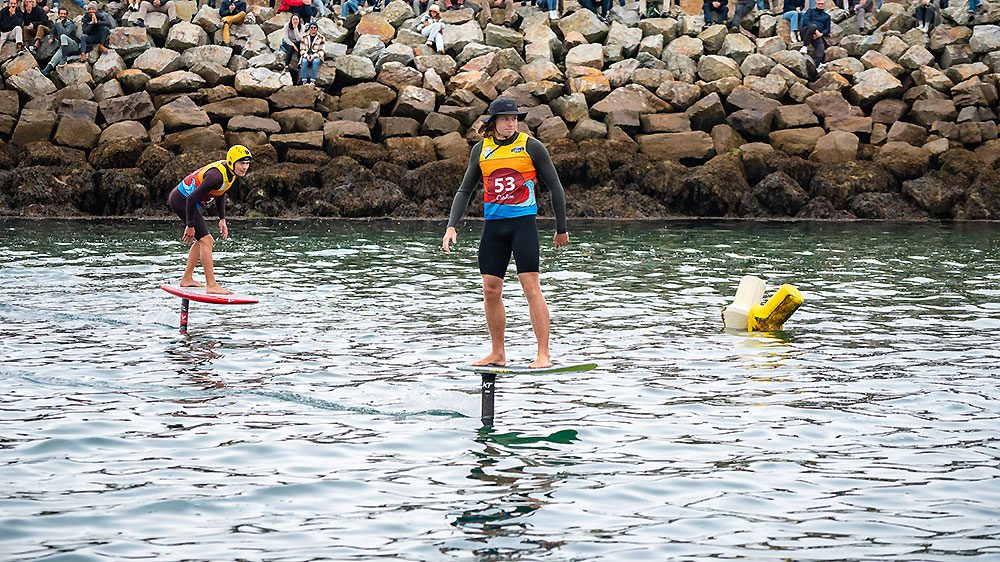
[[492, 359], [191, 283], [540, 363], [217, 290]]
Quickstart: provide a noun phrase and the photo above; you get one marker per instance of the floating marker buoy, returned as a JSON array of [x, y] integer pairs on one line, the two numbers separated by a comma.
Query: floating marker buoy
[[737, 315], [779, 308]]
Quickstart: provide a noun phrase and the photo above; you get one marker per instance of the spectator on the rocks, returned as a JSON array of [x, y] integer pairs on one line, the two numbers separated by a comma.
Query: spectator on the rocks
[[36, 24], [454, 4], [349, 7], [431, 26], [486, 13], [420, 6], [167, 7], [925, 14], [231, 12], [592, 6], [973, 7], [792, 11], [654, 8], [63, 31], [861, 7], [292, 39], [715, 11], [11, 20], [551, 6], [305, 11], [311, 53], [815, 30], [97, 28], [133, 5], [743, 9]]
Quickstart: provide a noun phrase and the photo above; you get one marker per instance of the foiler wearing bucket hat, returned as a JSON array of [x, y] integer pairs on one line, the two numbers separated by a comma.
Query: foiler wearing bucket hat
[[509, 170]]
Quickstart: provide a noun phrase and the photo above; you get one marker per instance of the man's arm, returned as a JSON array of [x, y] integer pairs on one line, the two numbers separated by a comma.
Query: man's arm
[[547, 172], [473, 176]]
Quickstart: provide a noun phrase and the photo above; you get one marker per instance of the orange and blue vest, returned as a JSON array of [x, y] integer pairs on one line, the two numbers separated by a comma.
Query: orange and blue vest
[[189, 184], [508, 179]]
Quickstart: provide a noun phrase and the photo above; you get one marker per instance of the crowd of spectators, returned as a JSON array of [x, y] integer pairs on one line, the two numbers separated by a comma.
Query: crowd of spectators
[[28, 23]]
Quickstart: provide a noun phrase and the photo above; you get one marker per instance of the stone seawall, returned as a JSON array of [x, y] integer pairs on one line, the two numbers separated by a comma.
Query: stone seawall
[[644, 118]]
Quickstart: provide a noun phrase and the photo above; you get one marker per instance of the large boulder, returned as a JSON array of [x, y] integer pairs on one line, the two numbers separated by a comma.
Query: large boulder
[[696, 145], [33, 126], [185, 35], [77, 133], [175, 82], [456, 37], [796, 142], [779, 194], [836, 146], [181, 113], [156, 62], [585, 23], [714, 189], [840, 182], [873, 85], [904, 161], [261, 82], [715, 67], [133, 107]]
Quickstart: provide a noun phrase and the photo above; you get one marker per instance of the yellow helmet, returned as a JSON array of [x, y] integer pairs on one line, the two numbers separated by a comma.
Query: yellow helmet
[[236, 153]]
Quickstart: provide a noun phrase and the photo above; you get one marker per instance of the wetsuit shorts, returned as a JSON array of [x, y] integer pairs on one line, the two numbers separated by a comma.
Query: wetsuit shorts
[[503, 237], [178, 203]]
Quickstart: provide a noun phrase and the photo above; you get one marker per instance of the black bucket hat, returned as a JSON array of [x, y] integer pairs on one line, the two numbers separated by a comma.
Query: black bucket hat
[[503, 106]]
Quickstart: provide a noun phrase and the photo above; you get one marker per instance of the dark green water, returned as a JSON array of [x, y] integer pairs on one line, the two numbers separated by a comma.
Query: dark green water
[[328, 422]]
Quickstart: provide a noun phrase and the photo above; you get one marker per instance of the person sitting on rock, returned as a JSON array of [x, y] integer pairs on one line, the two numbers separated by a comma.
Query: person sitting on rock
[[311, 53], [97, 28], [63, 31], [715, 11], [861, 7], [36, 24], [815, 30], [231, 12], [167, 7], [792, 11], [305, 11], [294, 31], [454, 4], [743, 9], [420, 6], [604, 9], [430, 26], [925, 14], [486, 13], [132, 6], [349, 7], [654, 8], [11, 20], [552, 6]]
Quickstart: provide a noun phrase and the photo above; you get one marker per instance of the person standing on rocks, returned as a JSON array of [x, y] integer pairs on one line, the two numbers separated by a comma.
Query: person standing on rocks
[[507, 163], [203, 186]]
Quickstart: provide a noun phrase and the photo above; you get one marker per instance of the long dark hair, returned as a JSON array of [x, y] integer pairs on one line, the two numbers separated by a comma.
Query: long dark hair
[[488, 128]]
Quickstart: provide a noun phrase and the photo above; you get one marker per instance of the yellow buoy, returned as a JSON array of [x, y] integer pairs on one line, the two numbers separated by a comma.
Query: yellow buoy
[[773, 314]]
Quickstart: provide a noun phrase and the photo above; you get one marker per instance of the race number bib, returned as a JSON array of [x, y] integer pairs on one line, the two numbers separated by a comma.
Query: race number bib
[[506, 187]]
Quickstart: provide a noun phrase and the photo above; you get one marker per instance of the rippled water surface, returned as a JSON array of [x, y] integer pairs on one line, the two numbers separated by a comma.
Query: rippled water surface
[[329, 422]]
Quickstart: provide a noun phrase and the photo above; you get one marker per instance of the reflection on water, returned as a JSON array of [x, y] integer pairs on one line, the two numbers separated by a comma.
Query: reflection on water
[[328, 422]]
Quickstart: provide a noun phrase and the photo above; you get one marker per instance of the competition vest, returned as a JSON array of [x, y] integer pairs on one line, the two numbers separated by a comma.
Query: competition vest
[[191, 183], [508, 179]]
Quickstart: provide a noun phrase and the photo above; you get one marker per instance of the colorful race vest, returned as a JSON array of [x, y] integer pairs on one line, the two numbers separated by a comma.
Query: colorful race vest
[[508, 179], [191, 183]]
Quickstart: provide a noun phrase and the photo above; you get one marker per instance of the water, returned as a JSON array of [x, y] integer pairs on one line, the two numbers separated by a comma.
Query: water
[[328, 422]]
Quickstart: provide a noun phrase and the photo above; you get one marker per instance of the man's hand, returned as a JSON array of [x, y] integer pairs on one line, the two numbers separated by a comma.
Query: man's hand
[[716, 4], [817, 34], [560, 239], [223, 229], [450, 237], [188, 235]]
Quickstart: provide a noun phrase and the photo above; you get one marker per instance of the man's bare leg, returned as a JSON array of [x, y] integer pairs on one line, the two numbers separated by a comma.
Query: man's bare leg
[[188, 279], [496, 320], [212, 287], [539, 313]]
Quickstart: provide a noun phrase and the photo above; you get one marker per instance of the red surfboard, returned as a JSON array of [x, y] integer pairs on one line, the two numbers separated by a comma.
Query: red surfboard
[[199, 294]]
